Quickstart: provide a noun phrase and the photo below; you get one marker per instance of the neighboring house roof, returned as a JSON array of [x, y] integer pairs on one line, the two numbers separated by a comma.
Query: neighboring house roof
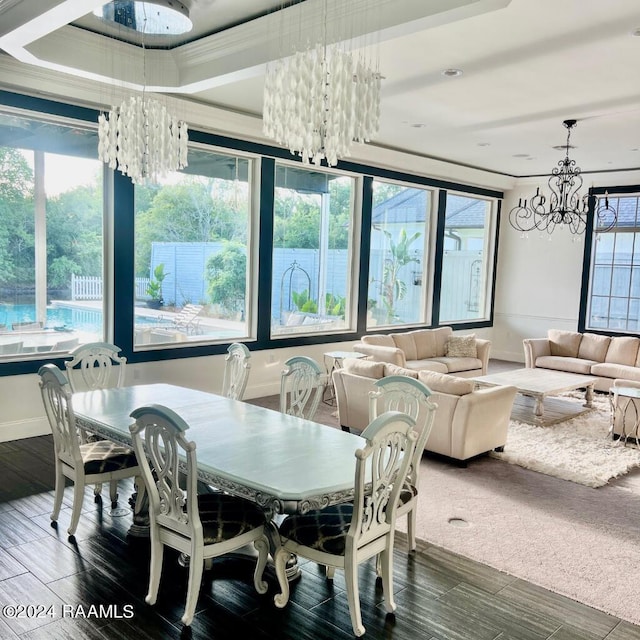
[[410, 206]]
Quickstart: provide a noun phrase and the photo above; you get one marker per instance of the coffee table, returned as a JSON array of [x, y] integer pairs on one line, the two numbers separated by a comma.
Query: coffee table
[[537, 384]]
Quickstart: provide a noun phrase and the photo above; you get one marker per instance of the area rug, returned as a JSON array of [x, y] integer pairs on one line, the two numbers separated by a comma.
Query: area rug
[[578, 449]]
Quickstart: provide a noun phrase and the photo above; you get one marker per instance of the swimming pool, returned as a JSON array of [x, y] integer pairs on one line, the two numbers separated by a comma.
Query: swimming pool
[[87, 319]]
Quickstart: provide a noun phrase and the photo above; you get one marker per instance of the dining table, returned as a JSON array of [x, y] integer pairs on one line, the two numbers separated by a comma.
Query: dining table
[[283, 463]]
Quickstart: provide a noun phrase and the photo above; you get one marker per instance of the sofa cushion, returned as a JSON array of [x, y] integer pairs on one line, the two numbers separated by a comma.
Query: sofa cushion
[[431, 364], [395, 370], [443, 383], [367, 368], [459, 364], [441, 335], [593, 347], [425, 341], [378, 339], [612, 370], [461, 347], [623, 350], [571, 365], [405, 342], [564, 343]]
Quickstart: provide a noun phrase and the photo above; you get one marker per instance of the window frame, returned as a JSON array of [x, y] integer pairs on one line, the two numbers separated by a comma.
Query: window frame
[[588, 257], [119, 301]]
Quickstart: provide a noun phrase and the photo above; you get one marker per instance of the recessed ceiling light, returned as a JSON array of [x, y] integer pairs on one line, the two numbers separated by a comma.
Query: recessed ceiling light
[[484, 144], [563, 147], [452, 73], [418, 125], [636, 32], [520, 155]]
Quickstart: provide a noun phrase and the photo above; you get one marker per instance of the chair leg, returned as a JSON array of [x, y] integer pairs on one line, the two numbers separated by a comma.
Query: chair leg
[[280, 559], [57, 500], [113, 493], [329, 572], [155, 567], [386, 562], [196, 567], [78, 496], [97, 490], [262, 546], [411, 529], [353, 595]]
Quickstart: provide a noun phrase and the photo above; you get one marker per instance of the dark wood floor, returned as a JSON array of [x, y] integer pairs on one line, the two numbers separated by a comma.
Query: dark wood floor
[[440, 596]]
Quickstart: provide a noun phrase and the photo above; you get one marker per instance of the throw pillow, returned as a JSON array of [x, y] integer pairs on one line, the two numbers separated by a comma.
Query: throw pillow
[[461, 347], [395, 370], [444, 383], [366, 368], [564, 343]]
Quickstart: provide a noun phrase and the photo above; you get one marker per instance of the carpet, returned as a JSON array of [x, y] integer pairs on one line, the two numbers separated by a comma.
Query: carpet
[[578, 449], [580, 542]]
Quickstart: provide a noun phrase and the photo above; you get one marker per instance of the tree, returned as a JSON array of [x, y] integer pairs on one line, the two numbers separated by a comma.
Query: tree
[[226, 274], [394, 289]]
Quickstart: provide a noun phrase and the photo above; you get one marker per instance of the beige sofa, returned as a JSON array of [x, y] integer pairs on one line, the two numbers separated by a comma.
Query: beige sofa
[[467, 422], [430, 349], [604, 357]]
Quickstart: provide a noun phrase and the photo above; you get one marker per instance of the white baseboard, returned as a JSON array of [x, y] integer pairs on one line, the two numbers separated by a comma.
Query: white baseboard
[[20, 429], [509, 356]]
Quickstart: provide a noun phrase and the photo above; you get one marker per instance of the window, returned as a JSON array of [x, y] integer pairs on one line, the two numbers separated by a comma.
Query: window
[[614, 295], [312, 252], [398, 258], [192, 233], [467, 258], [51, 237]]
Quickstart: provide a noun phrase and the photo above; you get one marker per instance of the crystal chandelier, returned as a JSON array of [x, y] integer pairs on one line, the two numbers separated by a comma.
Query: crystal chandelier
[[320, 100], [565, 206], [140, 137]]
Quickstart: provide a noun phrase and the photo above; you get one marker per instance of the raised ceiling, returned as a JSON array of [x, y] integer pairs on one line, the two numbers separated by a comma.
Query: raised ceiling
[[527, 66]]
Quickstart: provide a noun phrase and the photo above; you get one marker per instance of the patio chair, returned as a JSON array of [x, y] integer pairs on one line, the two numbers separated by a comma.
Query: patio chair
[[89, 463], [410, 396], [345, 535], [187, 319], [200, 526], [11, 347], [236, 371], [301, 387]]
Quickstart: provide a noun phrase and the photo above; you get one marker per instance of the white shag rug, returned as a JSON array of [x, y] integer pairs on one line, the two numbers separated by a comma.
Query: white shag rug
[[578, 449]]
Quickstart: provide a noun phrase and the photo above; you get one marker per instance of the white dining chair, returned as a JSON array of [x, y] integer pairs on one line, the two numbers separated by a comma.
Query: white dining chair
[[345, 535], [199, 526], [410, 396], [236, 371], [301, 386], [95, 365], [83, 463]]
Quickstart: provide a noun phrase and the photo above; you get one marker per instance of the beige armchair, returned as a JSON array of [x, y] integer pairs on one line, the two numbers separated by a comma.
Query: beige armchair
[[429, 349], [468, 421]]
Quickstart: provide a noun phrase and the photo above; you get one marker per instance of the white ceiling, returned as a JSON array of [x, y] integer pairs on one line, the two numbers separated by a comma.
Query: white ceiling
[[527, 66]]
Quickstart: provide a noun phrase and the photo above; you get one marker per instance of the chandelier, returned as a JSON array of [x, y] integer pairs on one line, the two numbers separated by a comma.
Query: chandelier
[[565, 206], [140, 137], [320, 100]]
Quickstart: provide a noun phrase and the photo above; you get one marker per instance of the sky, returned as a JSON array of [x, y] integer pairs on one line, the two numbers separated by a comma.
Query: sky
[[63, 173]]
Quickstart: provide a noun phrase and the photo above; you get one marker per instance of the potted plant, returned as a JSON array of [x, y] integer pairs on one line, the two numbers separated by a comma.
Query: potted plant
[[154, 289]]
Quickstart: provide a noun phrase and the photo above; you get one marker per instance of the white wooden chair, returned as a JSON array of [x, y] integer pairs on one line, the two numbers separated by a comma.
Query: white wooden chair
[[199, 526], [96, 365], [236, 371], [345, 535], [410, 396], [88, 463], [301, 387]]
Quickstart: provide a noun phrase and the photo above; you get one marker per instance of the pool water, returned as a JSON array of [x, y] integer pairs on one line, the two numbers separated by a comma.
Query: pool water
[[89, 320]]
